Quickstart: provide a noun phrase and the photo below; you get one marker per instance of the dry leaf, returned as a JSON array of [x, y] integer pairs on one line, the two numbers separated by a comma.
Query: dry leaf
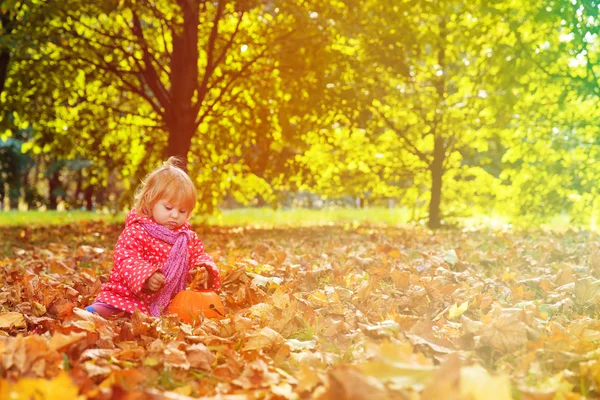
[[200, 357], [347, 383], [10, 320], [456, 311], [506, 332], [59, 388], [60, 341], [477, 384], [266, 339], [587, 290]]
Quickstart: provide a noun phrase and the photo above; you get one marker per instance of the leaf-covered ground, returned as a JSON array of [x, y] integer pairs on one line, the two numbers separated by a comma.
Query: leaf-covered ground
[[327, 312]]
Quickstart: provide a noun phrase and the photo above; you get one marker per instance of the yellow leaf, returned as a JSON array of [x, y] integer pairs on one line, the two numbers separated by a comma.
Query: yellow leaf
[[319, 299], [586, 290], [508, 275], [60, 341], [280, 299], [184, 390], [456, 310], [59, 388], [477, 384], [395, 254], [267, 338], [401, 279], [11, 320]]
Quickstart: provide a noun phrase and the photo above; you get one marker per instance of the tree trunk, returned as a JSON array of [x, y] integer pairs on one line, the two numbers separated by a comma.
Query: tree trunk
[[2, 195], [360, 202], [439, 147], [4, 60], [437, 172], [181, 127], [53, 185], [181, 112], [14, 193], [101, 195], [7, 27], [78, 189], [88, 194]]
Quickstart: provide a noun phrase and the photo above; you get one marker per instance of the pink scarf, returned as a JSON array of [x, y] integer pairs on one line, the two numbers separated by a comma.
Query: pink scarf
[[175, 268]]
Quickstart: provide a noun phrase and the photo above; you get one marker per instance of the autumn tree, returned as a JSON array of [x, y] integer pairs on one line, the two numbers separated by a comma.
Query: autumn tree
[[21, 32], [550, 168], [428, 75], [175, 62]]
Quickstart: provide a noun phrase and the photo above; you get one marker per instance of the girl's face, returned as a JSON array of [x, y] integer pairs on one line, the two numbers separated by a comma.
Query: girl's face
[[169, 214]]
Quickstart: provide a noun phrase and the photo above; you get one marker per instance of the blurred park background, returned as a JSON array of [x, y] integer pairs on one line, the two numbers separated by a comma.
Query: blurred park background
[[410, 110]]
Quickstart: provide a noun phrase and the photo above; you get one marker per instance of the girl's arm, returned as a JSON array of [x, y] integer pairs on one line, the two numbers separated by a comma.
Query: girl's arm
[[131, 267], [198, 258]]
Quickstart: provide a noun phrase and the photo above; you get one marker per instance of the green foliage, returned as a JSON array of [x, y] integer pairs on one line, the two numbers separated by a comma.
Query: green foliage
[[452, 107]]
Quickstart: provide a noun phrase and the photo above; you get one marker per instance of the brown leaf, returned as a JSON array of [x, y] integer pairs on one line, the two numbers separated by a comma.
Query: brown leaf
[[347, 383], [506, 332], [422, 334], [266, 339], [60, 342], [30, 355], [129, 379], [257, 375], [401, 279], [200, 357]]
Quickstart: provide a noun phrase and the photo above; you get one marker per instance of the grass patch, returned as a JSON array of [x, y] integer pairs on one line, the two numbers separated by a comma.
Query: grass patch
[[270, 218], [298, 217], [37, 218], [258, 217]]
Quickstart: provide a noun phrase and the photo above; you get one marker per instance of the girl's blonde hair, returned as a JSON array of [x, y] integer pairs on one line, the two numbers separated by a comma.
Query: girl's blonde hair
[[165, 182]]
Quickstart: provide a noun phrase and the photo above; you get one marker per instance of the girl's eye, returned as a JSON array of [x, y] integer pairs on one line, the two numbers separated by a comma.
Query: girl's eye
[[168, 208], [183, 211]]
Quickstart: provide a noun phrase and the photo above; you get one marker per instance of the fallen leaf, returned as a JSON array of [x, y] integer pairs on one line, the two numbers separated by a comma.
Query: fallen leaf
[[59, 388], [10, 320], [298, 345], [200, 357], [266, 339], [347, 383], [477, 384], [587, 290], [506, 332], [60, 341], [456, 311]]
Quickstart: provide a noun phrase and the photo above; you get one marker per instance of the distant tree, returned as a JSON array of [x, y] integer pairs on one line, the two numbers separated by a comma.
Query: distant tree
[[429, 75], [550, 167]]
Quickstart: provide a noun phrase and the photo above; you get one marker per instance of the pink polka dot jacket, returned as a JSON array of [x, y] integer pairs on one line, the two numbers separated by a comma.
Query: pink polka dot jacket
[[138, 255]]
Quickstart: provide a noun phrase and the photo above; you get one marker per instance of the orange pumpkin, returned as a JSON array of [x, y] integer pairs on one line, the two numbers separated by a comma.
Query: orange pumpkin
[[190, 305]]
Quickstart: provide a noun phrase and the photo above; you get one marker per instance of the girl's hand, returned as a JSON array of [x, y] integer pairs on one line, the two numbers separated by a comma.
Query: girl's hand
[[199, 276], [155, 282]]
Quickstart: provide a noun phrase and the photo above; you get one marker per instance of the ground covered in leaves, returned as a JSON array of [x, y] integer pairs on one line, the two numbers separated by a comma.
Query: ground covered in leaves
[[337, 312]]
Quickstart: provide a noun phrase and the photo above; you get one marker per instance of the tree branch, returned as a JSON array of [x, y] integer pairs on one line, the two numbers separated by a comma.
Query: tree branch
[[149, 73], [120, 74], [212, 39], [402, 133], [234, 78], [230, 41]]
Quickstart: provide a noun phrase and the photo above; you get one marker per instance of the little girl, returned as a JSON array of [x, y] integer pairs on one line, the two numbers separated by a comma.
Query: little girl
[[157, 252]]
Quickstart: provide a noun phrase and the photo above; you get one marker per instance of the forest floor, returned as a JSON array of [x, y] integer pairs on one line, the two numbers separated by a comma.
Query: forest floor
[[331, 312]]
